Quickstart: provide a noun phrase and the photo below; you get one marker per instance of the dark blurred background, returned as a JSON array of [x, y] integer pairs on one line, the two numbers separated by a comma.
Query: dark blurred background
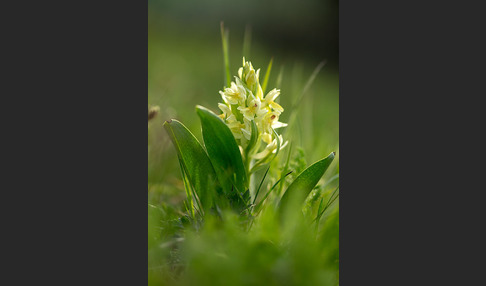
[[308, 27]]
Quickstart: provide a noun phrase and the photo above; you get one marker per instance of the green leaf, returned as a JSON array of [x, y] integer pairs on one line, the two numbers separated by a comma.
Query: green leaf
[[305, 182], [194, 160], [223, 152]]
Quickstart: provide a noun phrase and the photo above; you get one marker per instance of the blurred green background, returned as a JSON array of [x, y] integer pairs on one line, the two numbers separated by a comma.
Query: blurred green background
[[185, 68]]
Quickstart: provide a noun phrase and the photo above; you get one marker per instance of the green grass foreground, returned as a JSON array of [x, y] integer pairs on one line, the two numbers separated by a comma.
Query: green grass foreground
[[265, 246]]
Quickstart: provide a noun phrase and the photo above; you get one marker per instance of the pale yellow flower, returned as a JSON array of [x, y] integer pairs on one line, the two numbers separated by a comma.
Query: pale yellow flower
[[247, 130], [269, 101], [251, 77], [253, 109], [267, 138], [235, 94], [271, 148], [225, 108], [235, 126], [244, 103], [270, 120]]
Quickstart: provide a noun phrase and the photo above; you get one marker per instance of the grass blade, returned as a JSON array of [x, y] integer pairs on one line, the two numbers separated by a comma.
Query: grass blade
[[285, 169], [271, 189], [247, 42], [278, 83], [309, 83], [261, 183], [224, 39], [267, 76], [331, 200]]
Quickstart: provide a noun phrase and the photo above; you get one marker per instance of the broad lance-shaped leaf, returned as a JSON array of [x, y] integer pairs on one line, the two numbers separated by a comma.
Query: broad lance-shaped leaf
[[305, 182], [223, 152], [193, 159]]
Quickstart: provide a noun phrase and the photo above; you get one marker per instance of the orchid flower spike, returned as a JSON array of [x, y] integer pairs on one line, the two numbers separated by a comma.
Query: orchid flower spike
[[244, 104]]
